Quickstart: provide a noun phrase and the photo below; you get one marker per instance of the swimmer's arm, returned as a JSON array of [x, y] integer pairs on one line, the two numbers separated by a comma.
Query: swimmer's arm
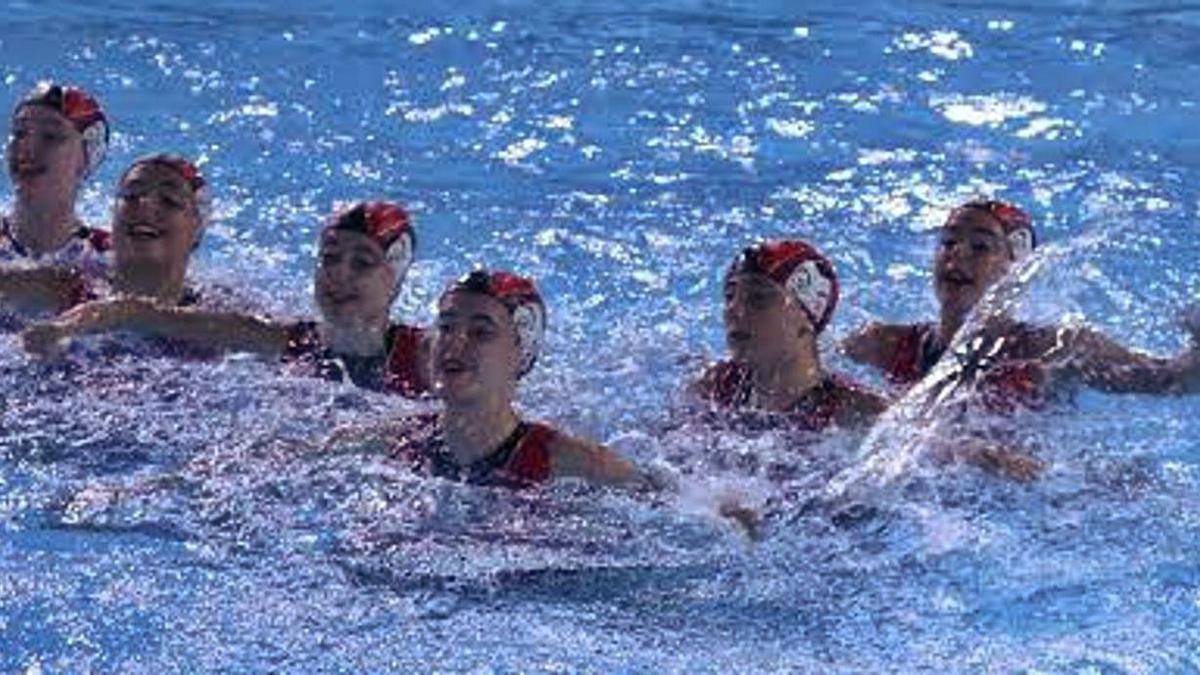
[[862, 408], [875, 344], [577, 458], [595, 463], [993, 457], [39, 288], [1105, 364], [218, 330]]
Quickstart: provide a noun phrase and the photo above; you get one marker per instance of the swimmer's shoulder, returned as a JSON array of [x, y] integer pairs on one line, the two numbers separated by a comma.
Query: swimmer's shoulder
[[858, 404], [718, 382], [571, 456]]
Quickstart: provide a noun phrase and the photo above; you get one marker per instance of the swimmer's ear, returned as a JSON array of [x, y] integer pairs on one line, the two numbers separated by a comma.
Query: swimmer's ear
[[1021, 243], [198, 233]]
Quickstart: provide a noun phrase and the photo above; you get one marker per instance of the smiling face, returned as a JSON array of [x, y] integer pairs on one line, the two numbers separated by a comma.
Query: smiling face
[[354, 285], [155, 224], [763, 324], [475, 355], [45, 154], [972, 254]]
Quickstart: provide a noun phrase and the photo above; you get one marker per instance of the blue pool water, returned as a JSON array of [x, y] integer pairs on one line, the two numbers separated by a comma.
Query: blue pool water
[[620, 153]]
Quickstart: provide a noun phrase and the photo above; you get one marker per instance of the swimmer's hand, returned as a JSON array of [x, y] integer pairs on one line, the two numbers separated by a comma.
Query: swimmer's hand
[[1012, 465], [377, 438], [49, 339], [1190, 322], [999, 460], [1189, 364], [45, 340], [744, 517], [39, 288]]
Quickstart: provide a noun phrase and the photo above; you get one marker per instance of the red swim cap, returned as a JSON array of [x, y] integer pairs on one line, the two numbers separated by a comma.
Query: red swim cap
[[1016, 223], [801, 269], [81, 109], [521, 297], [388, 225]]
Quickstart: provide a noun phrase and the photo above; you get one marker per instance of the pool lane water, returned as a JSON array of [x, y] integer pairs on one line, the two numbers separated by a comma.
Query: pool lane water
[[157, 517]]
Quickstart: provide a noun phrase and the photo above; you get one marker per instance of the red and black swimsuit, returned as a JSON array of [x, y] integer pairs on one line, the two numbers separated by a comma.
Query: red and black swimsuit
[[88, 252], [395, 370], [521, 461], [916, 353], [88, 247], [728, 386], [1003, 384]]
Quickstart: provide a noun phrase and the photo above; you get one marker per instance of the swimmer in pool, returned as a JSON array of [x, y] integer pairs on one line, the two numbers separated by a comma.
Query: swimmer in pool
[[59, 136], [159, 219], [1011, 361], [488, 335], [779, 296], [365, 252]]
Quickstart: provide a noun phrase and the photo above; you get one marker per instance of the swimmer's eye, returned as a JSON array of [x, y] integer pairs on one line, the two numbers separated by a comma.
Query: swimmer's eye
[[129, 195], [171, 201], [981, 247], [329, 259], [363, 263], [482, 333], [759, 300], [52, 138]]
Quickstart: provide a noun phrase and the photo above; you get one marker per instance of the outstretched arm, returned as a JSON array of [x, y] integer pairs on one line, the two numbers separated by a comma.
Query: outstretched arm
[[1110, 366], [574, 457], [40, 288], [217, 330], [875, 344], [577, 458]]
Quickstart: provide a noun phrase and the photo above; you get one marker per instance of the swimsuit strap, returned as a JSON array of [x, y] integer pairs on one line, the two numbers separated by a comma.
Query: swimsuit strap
[[487, 467], [6, 234], [931, 349]]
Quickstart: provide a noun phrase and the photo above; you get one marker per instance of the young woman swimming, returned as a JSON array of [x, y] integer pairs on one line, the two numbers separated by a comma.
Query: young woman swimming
[[59, 136], [487, 336], [779, 297], [158, 221], [365, 252], [1011, 362]]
